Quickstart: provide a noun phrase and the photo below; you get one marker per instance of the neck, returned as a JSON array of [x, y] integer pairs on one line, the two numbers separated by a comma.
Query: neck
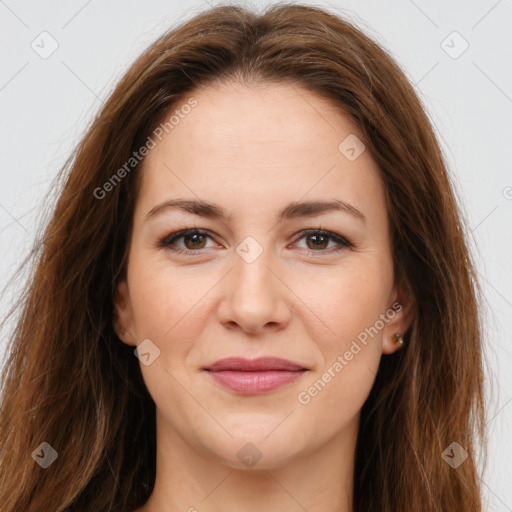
[[194, 481]]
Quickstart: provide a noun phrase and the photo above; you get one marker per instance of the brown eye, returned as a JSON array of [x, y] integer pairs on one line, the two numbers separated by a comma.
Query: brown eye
[[193, 241], [196, 241], [318, 241]]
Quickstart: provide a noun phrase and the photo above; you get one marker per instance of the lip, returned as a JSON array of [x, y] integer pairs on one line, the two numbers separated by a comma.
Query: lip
[[253, 365], [254, 376]]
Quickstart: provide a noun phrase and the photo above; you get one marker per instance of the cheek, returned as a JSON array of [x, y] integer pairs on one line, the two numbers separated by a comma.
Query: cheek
[[349, 303], [167, 301], [344, 301], [169, 308]]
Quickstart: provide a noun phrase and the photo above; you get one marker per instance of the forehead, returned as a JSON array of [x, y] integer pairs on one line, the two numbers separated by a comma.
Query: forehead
[[236, 122], [257, 145]]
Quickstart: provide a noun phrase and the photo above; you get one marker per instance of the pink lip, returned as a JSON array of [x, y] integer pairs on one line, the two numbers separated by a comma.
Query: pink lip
[[251, 377]]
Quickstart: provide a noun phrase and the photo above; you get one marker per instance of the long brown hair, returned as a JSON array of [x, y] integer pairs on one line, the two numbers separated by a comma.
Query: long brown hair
[[70, 382]]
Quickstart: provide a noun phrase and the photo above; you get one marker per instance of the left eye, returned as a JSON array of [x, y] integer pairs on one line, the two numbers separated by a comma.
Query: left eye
[[320, 238], [195, 239]]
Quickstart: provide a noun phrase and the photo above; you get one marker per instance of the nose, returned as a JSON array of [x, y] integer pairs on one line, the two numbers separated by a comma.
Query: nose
[[255, 298]]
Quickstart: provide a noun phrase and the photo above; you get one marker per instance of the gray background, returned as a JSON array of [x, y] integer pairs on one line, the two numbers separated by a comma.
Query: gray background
[[45, 104]]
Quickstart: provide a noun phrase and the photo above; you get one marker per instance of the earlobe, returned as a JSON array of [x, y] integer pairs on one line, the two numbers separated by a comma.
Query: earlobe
[[397, 337], [122, 318], [394, 332], [390, 344]]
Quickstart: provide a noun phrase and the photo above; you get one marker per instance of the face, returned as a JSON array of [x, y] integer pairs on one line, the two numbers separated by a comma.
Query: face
[[263, 276]]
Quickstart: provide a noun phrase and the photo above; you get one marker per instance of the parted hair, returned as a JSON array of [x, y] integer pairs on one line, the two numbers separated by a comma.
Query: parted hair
[[69, 381]]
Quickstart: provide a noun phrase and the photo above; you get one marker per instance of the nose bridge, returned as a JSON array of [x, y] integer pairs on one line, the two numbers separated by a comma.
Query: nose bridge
[[252, 274], [255, 297]]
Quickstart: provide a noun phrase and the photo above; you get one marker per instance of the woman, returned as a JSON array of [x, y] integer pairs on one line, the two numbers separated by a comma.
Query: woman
[[254, 293]]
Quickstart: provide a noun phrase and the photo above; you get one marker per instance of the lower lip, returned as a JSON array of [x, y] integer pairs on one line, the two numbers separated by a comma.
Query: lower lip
[[253, 383]]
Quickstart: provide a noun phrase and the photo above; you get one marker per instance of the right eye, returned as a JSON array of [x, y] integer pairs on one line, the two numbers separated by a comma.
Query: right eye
[[194, 237]]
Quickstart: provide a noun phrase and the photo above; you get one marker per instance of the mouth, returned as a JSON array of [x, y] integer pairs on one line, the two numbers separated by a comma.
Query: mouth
[[254, 376]]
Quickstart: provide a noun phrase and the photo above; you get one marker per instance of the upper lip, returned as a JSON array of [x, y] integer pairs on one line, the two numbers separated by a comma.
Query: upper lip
[[252, 365]]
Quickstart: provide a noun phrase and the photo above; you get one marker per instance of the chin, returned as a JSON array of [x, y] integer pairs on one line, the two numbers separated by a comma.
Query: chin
[[249, 450]]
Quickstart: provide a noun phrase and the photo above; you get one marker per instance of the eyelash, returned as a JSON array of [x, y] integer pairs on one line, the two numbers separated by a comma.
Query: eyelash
[[166, 241]]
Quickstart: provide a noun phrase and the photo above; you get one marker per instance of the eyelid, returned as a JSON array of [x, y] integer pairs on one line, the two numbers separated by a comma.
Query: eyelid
[[339, 239], [342, 241], [167, 240]]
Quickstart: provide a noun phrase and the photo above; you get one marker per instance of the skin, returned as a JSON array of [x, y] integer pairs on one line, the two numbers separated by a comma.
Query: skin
[[252, 151]]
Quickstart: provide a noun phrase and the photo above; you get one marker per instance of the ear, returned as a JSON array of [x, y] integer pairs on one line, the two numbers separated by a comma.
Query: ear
[[400, 315], [122, 318]]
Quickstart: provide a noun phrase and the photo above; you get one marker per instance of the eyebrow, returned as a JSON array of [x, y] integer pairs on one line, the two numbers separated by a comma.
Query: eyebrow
[[291, 211]]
